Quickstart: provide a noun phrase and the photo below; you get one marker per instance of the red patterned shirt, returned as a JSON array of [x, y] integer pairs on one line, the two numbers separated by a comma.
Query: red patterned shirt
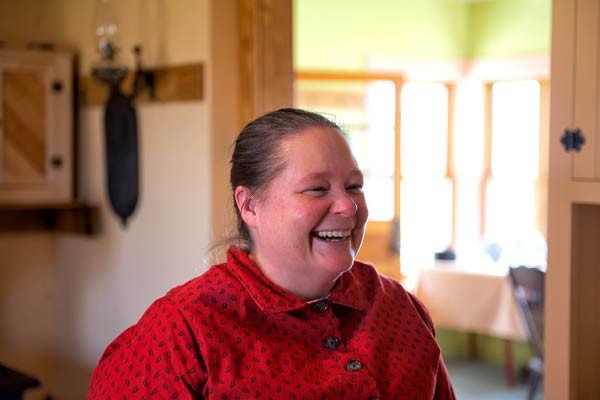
[[233, 334]]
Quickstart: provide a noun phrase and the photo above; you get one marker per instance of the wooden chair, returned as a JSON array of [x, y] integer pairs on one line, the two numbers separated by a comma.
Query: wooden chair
[[528, 288]]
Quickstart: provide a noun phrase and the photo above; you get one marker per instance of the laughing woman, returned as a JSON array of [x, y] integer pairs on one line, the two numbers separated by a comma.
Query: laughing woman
[[291, 314]]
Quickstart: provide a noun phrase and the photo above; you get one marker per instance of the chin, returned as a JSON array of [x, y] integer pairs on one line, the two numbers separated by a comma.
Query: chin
[[339, 265]]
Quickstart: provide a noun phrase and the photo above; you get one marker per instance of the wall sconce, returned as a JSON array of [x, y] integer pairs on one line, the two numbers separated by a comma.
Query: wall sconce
[[120, 120]]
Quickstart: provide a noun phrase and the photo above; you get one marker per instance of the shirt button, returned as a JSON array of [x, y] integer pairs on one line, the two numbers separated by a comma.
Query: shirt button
[[353, 365], [321, 306], [331, 343]]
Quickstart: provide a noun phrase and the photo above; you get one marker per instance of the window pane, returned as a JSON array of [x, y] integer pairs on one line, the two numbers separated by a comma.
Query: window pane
[[425, 219], [424, 129], [510, 207], [381, 100], [377, 188], [515, 129], [365, 110], [511, 192]]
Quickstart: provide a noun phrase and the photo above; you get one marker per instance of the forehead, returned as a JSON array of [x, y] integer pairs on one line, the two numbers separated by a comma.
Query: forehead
[[318, 150], [316, 141]]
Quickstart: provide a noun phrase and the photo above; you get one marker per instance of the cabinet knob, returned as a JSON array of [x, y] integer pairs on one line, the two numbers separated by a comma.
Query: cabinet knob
[[57, 86], [56, 161], [572, 139]]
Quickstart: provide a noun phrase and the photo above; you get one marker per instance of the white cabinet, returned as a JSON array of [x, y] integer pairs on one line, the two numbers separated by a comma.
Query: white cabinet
[[36, 127]]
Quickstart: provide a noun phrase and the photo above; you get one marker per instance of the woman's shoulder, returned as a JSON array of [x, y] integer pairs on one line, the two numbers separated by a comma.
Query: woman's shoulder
[[199, 290], [174, 309], [384, 286], [366, 272]]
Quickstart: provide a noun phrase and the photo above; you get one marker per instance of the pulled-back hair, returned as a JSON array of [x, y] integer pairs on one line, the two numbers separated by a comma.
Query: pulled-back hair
[[258, 157]]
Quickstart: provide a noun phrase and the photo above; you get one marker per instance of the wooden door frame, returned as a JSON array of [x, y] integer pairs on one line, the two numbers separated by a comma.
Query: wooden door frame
[[250, 73], [265, 55]]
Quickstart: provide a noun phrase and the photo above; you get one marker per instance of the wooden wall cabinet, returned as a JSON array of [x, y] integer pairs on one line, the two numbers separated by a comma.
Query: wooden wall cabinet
[[36, 127], [573, 276], [586, 102], [37, 164]]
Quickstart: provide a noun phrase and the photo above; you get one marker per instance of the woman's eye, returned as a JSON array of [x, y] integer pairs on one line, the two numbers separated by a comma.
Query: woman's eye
[[355, 188], [316, 191]]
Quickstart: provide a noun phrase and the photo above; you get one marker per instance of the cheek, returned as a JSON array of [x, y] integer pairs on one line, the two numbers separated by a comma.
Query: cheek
[[300, 213], [362, 211], [307, 212]]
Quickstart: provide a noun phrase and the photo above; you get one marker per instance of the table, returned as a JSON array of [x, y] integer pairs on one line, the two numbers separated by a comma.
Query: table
[[473, 300]]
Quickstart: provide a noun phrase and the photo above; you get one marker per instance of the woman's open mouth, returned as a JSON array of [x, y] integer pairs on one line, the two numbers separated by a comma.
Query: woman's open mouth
[[332, 236]]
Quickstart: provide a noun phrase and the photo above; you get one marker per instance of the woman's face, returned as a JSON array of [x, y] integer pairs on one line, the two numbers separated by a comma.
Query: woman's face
[[311, 218]]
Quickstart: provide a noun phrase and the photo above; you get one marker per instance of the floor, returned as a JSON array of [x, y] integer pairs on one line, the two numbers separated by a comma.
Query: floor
[[476, 380]]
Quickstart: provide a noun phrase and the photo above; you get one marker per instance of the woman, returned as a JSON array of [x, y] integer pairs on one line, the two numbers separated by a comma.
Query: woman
[[291, 314]]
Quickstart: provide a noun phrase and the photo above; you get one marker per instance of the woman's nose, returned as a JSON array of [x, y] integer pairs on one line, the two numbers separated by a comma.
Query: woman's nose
[[344, 204]]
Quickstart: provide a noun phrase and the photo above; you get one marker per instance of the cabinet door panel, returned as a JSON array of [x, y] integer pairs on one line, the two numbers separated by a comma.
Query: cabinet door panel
[[24, 127], [587, 94], [36, 127]]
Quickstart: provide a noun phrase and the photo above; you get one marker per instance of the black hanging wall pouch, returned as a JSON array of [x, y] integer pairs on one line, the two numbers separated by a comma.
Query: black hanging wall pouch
[[120, 121], [121, 153], [121, 137]]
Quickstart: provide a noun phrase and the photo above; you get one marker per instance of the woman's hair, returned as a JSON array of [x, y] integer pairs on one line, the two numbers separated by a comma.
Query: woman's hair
[[258, 157]]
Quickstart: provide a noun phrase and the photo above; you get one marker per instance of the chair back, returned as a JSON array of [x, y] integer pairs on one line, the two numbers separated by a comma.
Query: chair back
[[528, 288]]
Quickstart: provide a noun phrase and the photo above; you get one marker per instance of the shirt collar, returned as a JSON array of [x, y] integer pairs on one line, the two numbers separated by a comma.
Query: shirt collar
[[348, 291]]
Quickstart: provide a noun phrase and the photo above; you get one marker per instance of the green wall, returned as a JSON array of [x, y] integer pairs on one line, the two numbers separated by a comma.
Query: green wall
[[342, 34], [509, 27]]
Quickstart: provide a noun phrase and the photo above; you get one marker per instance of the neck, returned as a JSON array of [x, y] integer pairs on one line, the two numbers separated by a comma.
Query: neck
[[305, 286]]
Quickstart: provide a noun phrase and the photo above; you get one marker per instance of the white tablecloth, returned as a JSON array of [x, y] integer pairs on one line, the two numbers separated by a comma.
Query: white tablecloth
[[467, 300]]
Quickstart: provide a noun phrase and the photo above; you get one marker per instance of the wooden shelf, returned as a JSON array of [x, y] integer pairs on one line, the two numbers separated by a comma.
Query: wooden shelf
[[75, 217], [172, 83]]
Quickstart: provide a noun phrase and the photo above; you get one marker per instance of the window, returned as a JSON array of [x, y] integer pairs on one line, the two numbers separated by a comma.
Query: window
[[515, 184], [426, 212]]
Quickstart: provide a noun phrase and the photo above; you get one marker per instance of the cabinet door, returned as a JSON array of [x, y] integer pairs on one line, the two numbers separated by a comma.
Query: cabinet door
[[24, 126], [35, 127], [586, 163]]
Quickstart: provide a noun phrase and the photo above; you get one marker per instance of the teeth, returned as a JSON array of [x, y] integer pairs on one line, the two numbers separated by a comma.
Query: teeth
[[333, 234]]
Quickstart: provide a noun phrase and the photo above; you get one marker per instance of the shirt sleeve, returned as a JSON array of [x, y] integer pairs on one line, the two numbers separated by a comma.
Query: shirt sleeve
[[423, 313], [156, 358], [443, 386]]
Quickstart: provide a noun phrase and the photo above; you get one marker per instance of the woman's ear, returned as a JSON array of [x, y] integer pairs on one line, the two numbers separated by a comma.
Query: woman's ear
[[245, 203]]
